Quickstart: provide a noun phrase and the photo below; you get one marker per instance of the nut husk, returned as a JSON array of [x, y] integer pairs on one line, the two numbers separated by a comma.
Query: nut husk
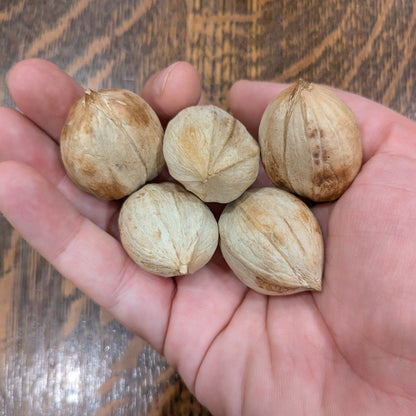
[[167, 230], [272, 242], [211, 153], [310, 142], [111, 143]]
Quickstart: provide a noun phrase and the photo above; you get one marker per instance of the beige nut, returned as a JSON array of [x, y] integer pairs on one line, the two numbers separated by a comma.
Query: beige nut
[[272, 242], [111, 143], [211, 153], [167, 230], [310, 142]]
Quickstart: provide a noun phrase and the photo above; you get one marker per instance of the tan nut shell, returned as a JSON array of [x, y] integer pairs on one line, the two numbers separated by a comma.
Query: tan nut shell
[[167, 230], [272, 242], [211, 153], [111, 143], [310, 142]]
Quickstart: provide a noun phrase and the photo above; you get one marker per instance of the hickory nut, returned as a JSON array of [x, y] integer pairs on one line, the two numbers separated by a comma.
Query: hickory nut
[[310, 142], [211, 153], [272, 242], [111, 143], [167, 230]]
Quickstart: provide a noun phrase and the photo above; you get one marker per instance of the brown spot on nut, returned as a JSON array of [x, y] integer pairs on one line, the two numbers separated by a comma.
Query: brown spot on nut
[[87, 167], [312, 133], [270, 286]]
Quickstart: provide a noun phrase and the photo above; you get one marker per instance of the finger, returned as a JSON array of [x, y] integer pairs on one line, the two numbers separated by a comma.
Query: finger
[[43, 92], [21, 140], [172, 89], [204, 304], [249, 99], [89, 257]]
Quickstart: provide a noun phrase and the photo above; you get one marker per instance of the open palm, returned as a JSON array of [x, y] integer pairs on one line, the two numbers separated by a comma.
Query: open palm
[[350, 349]]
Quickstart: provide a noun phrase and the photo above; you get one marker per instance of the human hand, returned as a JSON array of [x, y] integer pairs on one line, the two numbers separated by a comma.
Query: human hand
[[350, 349]]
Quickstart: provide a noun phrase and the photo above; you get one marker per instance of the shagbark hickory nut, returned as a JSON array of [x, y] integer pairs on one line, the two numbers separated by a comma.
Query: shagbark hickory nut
[[111, 143], [211, 153], [167, 230], [272, 242], [310, 142]]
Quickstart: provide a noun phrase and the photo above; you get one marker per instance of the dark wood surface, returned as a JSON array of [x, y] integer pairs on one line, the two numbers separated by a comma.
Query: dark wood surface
[[60, 354]]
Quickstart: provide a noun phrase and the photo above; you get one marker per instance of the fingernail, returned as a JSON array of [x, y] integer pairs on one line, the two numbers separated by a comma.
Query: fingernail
[[161, 80]]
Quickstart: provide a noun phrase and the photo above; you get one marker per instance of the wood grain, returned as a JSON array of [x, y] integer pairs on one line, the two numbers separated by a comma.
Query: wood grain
[[60, 354]]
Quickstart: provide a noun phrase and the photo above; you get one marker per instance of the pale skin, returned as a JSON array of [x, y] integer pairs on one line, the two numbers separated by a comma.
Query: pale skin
[[349, 350]]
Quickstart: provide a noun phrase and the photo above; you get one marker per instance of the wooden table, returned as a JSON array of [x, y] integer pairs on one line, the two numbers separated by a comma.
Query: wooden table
[[60, 354]]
